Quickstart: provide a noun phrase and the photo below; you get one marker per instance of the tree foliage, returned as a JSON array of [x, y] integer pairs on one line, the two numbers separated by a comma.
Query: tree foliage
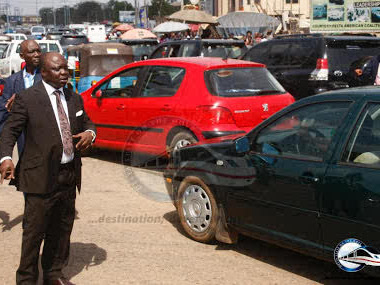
[[161, 8], [89, 11]]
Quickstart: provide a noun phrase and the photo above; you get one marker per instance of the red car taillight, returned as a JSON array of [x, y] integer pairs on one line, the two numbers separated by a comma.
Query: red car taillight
[[322, 63], [321, 71], [214, 115]]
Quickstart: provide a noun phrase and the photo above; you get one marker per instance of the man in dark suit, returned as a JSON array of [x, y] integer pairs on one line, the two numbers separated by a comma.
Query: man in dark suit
[[56, 129], [30, 75]]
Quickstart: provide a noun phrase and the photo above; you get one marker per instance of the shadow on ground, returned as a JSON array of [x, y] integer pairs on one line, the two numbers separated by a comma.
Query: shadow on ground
[[83, 256], [135, 159], [291, 261], [7, 224]]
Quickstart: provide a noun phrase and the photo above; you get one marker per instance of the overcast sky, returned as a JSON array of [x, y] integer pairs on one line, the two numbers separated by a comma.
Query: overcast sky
[[28, 7]]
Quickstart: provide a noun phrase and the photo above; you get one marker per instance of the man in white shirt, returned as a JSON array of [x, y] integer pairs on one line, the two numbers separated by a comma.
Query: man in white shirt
[[56, 129]]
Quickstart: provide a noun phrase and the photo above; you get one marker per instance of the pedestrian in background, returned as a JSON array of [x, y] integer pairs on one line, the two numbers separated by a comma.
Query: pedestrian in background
[[30, 75]]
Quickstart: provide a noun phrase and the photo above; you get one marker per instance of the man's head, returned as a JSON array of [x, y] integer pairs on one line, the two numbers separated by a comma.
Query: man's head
[[54, 69], [30, 52]]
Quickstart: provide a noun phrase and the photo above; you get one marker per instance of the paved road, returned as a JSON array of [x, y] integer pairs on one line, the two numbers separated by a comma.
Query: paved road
[[124, 236]]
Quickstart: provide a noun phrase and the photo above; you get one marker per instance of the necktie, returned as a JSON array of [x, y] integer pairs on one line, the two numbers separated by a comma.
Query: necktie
[[67, 139]]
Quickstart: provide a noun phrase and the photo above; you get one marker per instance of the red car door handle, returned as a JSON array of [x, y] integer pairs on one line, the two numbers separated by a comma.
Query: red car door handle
[[120, 107], [166, 107]]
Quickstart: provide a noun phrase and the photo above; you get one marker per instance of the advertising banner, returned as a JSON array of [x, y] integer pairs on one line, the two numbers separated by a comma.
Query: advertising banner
[[345, 16]]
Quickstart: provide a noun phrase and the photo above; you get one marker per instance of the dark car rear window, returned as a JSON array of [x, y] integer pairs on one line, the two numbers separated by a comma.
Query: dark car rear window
[[221, 50], [298, 53], [341, 53], [73, 40], [235, 82]]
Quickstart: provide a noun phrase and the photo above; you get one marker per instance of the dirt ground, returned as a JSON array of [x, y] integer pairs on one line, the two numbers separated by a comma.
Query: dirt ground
[[124, 235]]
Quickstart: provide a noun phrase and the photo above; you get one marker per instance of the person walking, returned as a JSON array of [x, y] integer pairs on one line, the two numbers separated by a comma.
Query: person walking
[[49, 171], [30, 75]]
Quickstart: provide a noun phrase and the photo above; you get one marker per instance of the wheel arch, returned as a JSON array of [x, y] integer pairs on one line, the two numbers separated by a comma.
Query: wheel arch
[[223, 233], [177, 129]]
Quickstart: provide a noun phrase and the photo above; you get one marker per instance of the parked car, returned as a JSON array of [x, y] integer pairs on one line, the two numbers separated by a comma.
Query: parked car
[[198, 47], [141, 48], [89, 63], [37, 32], [54, 35], [307, 178], [5, 38], [72, 40], [96, 33], [154, 106], [313, 63], [11, 62], [17, 37], [3, 46]]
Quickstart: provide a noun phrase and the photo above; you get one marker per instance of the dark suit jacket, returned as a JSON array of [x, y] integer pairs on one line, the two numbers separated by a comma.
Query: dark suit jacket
[[37, 169], [13, 84]]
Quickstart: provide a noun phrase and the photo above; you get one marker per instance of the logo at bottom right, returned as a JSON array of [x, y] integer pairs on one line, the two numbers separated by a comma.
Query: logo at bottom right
[[352, 255]]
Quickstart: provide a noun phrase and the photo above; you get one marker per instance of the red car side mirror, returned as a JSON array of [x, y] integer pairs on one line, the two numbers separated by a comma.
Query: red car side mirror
[[98, 94]]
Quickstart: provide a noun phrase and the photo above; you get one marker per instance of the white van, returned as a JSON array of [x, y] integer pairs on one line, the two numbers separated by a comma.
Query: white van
[[18, 37], [96, 33], [38, 31], [10, 61]]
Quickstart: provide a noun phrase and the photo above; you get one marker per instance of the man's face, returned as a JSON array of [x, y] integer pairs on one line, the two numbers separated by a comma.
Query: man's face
[[31, 52], [55, 71]]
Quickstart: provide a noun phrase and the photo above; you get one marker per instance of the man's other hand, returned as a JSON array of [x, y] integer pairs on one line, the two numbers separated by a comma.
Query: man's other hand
[[7, 170], [85, 140], [9, 103]]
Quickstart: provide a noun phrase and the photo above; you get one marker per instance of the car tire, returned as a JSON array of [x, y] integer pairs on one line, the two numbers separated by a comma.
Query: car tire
[[180, 140], [197, 209]]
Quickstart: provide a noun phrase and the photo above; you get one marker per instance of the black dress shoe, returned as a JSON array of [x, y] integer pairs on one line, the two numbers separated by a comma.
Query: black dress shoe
[[59, 281]]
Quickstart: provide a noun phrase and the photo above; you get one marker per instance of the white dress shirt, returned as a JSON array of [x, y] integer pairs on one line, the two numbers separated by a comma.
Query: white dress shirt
[[50, 90]]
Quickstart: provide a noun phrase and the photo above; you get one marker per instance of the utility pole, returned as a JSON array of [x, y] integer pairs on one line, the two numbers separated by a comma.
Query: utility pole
[[136, 13], [7, 7], [53, 10], [37, 11]]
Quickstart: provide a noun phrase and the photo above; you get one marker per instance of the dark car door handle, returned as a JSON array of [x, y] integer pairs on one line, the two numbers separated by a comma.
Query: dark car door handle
[[120, 107], [166, 107], [373, 200], [309, 179]]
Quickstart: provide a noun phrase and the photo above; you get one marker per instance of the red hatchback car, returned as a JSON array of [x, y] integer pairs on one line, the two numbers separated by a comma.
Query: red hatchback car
[[155, 105]]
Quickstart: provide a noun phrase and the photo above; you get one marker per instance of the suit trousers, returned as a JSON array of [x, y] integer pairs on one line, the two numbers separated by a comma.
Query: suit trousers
[[49, 217]]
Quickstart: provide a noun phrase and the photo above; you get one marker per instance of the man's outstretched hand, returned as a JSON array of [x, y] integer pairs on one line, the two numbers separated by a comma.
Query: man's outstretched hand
[[7, 170], [85, 140]]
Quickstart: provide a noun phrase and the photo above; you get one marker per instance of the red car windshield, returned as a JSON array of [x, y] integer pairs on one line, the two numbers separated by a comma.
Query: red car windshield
[[249, 81]]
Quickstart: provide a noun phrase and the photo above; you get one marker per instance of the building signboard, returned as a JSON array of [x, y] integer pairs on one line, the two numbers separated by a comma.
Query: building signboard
[[345, 16]]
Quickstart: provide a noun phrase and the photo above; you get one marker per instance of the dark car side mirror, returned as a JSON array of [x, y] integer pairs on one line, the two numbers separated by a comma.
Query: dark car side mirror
[[98, 94], [242, 145]]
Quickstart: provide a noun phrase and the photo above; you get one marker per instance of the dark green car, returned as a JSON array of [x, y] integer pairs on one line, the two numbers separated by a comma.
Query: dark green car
[[307, 178]]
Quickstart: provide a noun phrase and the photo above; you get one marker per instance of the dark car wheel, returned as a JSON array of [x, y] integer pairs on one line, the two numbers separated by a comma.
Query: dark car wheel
[[181, 139], [197, 209]]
